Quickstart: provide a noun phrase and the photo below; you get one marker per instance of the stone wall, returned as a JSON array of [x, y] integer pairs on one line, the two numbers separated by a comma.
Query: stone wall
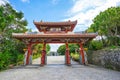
[[106, 58]]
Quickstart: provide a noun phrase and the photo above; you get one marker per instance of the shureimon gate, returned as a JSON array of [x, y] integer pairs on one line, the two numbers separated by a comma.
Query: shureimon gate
[[54, 32]]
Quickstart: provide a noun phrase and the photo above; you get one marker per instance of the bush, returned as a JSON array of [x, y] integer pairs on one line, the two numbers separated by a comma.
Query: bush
[[75, 56], [7, 59], [95, 45], [20, 58], [4, 60], [36, 56]]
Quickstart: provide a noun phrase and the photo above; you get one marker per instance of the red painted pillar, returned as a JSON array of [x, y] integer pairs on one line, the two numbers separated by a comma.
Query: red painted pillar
[[82, 53], [43, 54], [67, 54], [29, 53]]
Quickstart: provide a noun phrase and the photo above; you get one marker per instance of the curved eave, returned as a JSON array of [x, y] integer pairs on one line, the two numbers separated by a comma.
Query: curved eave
[[66, 23], [20, 36]]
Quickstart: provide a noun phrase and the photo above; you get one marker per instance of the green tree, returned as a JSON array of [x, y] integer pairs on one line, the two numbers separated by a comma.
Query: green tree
[[37, 48], [107, 24], [72, 48], [10, 21], [47, 48], [95, 45], [61, 50]]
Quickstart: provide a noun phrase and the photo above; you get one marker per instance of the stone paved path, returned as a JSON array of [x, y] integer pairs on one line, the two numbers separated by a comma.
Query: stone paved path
[[56, 70]]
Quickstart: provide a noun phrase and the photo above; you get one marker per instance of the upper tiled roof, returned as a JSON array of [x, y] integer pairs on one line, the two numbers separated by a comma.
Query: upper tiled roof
[[42, 24], [66, 23]]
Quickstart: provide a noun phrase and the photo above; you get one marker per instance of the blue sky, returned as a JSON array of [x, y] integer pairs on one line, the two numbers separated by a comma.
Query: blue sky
[[62, 10], [83, 11], [46, 10]]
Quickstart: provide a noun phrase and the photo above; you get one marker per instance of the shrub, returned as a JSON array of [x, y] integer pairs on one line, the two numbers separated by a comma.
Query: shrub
[[20, 58], [95, 45], [75, 56], [36, 56], [4, 60]]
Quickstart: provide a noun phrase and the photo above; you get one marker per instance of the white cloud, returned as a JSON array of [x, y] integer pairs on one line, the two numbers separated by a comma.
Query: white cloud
[[25, 1], [2, 2], [83, 5], [84, 11]]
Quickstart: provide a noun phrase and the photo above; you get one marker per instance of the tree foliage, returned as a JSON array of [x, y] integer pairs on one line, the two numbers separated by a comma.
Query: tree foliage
[[107, 23], [72, 48], [47, 48], [37, 48], [10, 21], [61, 50], [95, 45]]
